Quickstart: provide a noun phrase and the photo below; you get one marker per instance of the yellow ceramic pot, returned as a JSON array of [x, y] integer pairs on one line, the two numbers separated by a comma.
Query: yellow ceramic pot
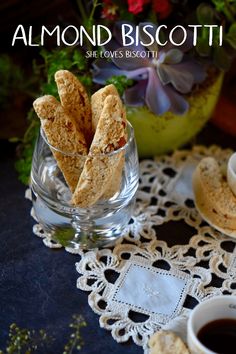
[[157, 135]]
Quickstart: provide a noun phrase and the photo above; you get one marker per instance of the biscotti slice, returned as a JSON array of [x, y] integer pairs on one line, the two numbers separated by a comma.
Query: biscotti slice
[[61, 132], [213, 196], [208, 213], [114, 184], [97, 103], [99, 167], [166, 342], [75, 101]]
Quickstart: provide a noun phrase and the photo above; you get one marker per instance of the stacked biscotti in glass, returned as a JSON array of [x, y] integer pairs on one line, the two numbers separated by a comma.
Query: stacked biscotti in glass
[[85, 137]]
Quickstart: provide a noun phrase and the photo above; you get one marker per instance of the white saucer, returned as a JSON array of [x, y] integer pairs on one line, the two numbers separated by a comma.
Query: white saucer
[[228, 232]]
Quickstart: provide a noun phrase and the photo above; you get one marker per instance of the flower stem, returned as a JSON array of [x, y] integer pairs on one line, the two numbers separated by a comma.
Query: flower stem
[[82, 11], [228, 11], [73, 346], [95, 4], [89, 21]]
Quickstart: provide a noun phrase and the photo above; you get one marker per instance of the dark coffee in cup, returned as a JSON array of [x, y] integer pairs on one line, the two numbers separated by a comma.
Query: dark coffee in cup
[[219, 336]]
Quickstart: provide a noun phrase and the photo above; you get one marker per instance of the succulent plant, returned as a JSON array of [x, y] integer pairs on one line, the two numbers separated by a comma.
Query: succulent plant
[[219, 12], [161, 80]]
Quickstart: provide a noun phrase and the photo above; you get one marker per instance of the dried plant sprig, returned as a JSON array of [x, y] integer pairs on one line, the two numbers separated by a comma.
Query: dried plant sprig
[[26, 341], [22, 340], [76, 340]]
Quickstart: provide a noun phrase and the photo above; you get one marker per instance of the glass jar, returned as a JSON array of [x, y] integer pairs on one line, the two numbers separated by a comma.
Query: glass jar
[[98, 225]]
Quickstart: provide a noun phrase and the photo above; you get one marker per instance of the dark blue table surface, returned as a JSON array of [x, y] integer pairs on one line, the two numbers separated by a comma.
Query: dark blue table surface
[[38, 284]]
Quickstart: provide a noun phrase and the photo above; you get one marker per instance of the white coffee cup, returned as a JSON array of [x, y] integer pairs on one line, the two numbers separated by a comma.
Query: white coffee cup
[[231, 173], [215, 308]]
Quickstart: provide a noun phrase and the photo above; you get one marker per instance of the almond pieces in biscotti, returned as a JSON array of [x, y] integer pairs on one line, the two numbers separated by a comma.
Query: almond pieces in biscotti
[[97, 103], [75, 101], [110, 135], [166, 342], [61, 132]]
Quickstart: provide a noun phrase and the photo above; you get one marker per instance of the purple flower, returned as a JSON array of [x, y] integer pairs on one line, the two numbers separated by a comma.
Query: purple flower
[[161, 79]]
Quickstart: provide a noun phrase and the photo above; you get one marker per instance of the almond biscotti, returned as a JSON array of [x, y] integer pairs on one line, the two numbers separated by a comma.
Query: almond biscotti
[[213, 196], [61, 132], [75, 101], [110, 135], [166, 342], [97, 103]]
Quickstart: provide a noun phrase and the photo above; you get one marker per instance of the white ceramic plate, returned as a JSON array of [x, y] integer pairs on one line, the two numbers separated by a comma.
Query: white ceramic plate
[[228, 232]]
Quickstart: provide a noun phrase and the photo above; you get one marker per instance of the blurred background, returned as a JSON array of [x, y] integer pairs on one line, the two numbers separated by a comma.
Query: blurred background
[[18, 84], [38, 290], [27, 72]]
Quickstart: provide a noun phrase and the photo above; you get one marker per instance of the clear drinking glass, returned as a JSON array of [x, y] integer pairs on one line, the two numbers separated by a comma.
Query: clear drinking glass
[[96, 226]]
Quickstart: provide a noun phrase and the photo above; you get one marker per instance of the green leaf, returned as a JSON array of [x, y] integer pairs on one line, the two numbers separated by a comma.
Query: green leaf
[[232, 29], [14, 140], [79, 60], [50, 88], [203, 47], [226, 7], [231, 36], [63, 236], [231, 40], [221, 59], [23, 167], [120, 82], [205, 14], [219, 5]]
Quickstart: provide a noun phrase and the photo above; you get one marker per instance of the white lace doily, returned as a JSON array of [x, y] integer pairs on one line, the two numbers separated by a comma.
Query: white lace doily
[[168, 260]]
